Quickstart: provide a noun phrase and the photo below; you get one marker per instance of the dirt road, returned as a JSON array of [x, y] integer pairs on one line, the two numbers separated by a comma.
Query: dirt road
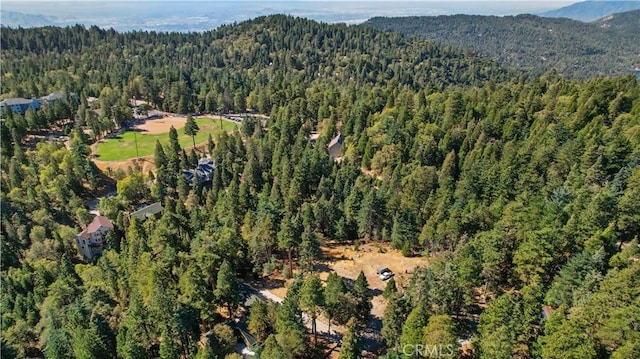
[[248, 290]]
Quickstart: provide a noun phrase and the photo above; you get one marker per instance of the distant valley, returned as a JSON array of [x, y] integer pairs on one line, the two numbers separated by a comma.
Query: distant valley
[[198, 16]]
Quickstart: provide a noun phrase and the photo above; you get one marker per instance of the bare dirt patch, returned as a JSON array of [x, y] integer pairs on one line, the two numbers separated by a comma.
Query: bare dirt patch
[[282, 291], [347, 262], [145, 163], [162, 125]]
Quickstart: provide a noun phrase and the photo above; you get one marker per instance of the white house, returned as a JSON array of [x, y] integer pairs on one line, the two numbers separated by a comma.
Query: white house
[[92, 239]]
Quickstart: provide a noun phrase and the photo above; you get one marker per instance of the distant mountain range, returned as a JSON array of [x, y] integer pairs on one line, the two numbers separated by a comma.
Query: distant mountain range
[[17, 19], [626, 22], [185, 16], [606, 47], [592, 10]]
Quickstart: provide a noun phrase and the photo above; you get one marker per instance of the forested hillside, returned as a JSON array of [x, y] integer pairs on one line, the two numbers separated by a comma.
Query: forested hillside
[[523, 192], [266, 61], [593, 10], [626, 22], [534, 44]]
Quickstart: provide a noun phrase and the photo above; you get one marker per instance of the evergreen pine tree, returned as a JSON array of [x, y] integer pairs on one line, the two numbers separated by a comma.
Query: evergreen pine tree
[[227, 291], [350, 348], [363, 299], [191, 129]]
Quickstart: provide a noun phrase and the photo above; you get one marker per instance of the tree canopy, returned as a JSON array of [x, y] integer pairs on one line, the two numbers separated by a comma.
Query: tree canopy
[[521, 190]]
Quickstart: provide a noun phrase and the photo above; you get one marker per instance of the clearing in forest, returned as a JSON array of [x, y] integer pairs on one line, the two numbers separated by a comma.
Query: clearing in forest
[[123, 146], [347, 261]]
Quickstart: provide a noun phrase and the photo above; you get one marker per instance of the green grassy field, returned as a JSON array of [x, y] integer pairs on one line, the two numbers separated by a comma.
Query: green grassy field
[[123, 146]]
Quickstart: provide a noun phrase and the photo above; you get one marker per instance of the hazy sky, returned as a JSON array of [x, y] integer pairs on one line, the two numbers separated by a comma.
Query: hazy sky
[[200, 15]]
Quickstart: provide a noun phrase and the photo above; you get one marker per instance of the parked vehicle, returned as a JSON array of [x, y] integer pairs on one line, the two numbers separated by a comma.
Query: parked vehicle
[[384, 273]]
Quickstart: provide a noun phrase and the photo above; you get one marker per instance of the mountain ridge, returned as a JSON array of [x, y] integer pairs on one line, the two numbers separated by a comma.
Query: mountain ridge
[[18, 19], [588, 11], [626, 21], [198, 16], [533, 43]]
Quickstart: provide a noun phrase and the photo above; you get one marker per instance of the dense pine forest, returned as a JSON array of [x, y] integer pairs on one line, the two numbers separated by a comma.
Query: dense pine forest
[[606, 47], [522, 191]]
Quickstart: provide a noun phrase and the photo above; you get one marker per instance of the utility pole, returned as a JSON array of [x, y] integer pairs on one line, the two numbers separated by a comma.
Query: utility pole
[[135, 136]]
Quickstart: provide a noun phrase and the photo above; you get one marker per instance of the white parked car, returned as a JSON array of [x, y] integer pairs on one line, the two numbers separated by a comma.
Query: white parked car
[[384, 273]]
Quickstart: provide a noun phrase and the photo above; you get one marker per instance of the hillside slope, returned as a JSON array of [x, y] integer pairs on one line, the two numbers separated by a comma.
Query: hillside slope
[[517, 193], [592, 10], [18, 19], [275, 48], [533, 43], [627, 22]]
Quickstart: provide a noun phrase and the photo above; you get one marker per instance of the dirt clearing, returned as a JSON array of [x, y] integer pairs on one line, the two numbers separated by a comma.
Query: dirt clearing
[[161, 125], [348, 262]]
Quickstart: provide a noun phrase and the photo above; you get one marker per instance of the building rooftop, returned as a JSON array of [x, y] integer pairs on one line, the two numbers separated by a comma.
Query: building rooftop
[[53, 96], [147, 211], [97, 223], [336, 140], [16, 101]]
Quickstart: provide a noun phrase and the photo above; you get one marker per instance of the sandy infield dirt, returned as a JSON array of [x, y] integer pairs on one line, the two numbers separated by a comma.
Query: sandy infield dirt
[[158, 126]]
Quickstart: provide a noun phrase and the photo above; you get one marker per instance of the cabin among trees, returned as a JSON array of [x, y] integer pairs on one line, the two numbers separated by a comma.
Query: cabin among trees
[[151, 210], [203, 173], [335, 146], [91, 241]]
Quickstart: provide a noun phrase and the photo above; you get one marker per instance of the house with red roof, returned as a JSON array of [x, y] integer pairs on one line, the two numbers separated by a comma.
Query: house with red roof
[[91, 241]]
